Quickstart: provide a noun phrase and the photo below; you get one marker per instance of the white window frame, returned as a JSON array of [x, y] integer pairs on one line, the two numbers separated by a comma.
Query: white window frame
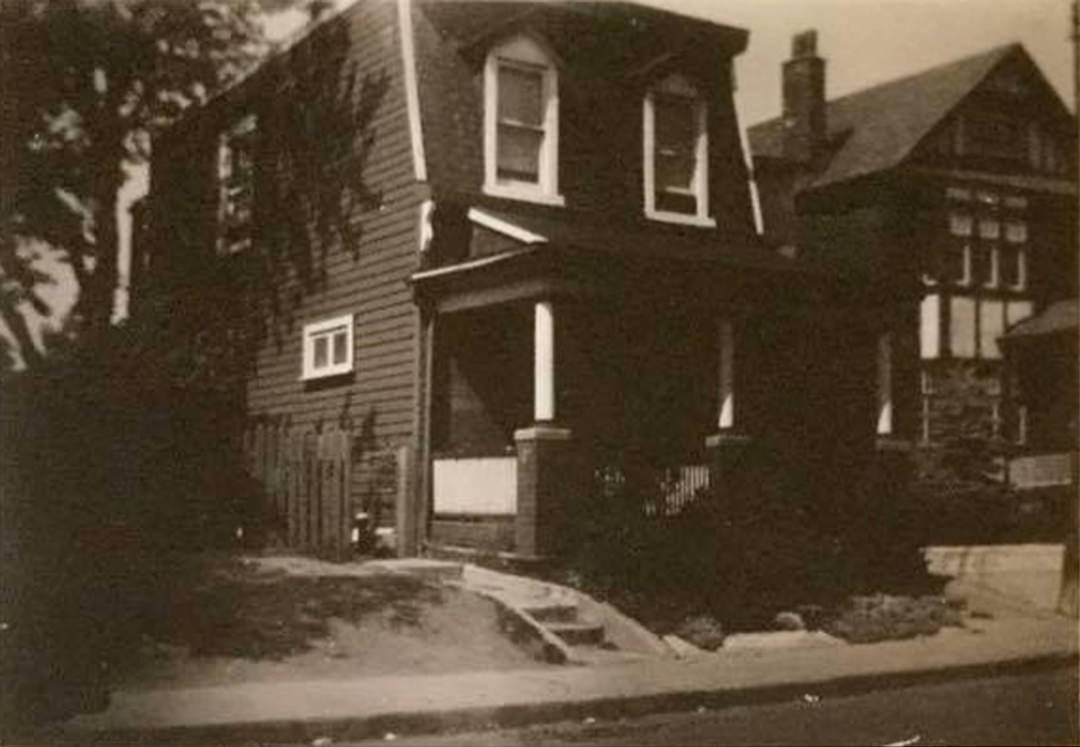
[[677, 86], [323, 328], [522, 52]]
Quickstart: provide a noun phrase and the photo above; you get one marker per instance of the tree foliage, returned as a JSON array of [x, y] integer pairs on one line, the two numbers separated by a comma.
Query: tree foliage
[[84, 84]]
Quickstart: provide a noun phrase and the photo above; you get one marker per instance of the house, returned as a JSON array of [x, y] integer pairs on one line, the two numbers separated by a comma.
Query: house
[[1041, 378], [957, 185], [507, 248]]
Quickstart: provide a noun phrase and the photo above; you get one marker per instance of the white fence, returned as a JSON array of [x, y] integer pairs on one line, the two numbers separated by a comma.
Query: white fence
[[476, 486]]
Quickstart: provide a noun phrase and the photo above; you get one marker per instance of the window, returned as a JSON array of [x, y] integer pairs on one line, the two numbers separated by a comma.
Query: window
[[989, 228], [960, 224], [1013, 267], [988, 266], [521, 123], [991, 327], [930, 330], [962, 327], [1017, 311], [328, 347], [676, 154], [1016, 232], [957, 264], [236, 184]]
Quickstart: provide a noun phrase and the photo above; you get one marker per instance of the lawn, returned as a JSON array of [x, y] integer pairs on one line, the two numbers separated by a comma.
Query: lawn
[[216, 619]]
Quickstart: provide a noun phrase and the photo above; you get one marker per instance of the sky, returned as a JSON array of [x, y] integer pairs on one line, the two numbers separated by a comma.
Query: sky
[[864, 42]]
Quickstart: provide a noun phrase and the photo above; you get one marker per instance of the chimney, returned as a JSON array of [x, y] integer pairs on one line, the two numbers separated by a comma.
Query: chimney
[[804, 99]]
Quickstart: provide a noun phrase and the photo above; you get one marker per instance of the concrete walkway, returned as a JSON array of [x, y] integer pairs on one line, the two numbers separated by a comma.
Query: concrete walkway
[[1014, 637]]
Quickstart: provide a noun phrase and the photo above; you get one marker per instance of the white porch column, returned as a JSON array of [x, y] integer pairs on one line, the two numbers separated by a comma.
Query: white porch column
[[726, 341], [884, 385], [544, 362]]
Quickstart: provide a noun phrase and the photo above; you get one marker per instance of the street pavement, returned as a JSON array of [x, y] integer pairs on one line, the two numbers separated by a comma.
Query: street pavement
[[1023, 709]]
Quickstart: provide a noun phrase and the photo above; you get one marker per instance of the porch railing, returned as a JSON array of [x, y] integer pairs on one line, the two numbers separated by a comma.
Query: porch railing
[[668, 490], [475, 486], [1040, 471]]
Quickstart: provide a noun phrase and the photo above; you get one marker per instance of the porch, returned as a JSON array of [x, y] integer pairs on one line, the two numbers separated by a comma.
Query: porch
[[556, 376]]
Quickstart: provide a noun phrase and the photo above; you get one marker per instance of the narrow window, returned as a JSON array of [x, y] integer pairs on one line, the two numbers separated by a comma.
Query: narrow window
[[988, 270], [991, 327], [962, 327], [521, 122], [328, 347], [676, 148], [930, 330], [236, 185]]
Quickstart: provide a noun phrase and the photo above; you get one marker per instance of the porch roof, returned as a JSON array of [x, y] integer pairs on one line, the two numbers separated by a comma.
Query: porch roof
[[588, 233], [1060, 317]]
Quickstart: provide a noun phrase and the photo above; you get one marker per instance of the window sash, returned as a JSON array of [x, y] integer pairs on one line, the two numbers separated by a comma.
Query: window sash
[[327, 347]]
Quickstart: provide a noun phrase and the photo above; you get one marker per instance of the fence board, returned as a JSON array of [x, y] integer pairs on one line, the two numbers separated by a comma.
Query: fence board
[[307, 484]]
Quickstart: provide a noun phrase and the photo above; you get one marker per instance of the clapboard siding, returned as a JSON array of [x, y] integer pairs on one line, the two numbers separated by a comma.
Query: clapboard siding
[[367, 279]]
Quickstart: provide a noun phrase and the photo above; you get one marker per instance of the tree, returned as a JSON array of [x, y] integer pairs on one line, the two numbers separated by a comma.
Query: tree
[[84, 85]]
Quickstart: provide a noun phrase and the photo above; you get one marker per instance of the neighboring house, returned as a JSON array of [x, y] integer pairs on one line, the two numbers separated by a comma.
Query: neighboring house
[[957, 184], [1041, 379], [512, 245]]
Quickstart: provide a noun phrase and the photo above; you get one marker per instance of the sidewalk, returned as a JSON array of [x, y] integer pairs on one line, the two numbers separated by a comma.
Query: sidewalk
[[1014, 637]]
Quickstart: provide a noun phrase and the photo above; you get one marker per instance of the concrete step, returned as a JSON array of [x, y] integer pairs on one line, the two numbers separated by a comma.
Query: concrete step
[[432, 570], [576, 633], [553, 613]]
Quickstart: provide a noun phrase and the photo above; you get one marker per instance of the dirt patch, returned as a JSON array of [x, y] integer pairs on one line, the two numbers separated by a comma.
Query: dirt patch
[[222, 619]]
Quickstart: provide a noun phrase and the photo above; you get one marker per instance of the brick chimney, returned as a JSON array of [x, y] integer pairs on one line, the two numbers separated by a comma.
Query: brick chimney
[[804, 99]]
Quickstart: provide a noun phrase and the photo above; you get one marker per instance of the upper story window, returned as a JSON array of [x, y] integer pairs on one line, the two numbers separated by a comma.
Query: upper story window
[[676, 154], [521, 122], [236, 185]]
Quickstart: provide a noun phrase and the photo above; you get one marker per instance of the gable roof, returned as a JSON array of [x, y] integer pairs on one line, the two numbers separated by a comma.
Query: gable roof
[[878, 127]]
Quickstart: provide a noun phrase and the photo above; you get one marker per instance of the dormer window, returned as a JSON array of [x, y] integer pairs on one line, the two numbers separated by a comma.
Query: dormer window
[[521, 122], [236, 185], [676, 154]]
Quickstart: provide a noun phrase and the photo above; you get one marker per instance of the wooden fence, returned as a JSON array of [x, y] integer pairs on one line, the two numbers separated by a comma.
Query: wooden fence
[[306, 479]]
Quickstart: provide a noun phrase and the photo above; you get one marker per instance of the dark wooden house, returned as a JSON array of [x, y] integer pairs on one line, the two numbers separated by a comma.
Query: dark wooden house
[[956, 185], [508, 247]]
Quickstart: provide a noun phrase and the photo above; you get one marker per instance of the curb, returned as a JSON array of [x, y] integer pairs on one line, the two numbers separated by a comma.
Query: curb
[[523, 714]]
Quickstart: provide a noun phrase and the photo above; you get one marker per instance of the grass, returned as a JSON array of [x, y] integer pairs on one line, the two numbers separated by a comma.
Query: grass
[[225, 619]]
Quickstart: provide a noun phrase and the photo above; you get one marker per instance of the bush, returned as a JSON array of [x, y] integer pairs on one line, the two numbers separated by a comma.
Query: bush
[[102, 467], [880, 617], [778, 544]]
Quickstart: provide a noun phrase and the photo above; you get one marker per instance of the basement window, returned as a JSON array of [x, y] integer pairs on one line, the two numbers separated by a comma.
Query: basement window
[[328, 347]]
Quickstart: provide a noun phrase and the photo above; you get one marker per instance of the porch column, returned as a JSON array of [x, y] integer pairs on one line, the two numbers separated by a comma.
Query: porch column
[[727, 448], [726, 342], [547, 465], [892, 468], [543, 362]]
